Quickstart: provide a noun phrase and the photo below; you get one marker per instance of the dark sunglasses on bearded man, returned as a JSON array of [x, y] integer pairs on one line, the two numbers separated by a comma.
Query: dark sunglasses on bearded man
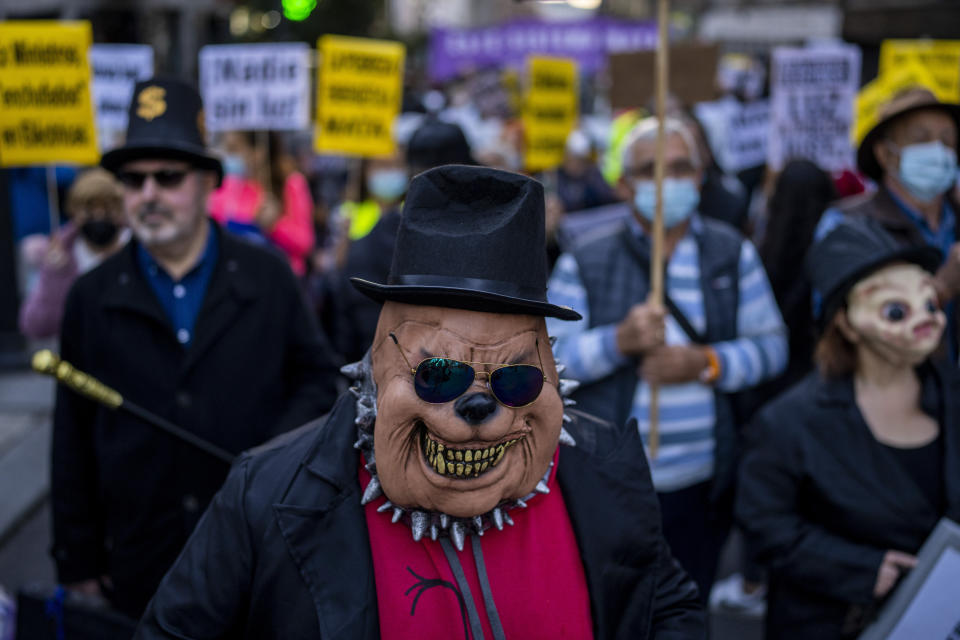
[[439, 380]]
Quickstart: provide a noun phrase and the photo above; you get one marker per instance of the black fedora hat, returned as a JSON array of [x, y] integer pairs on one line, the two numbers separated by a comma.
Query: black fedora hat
[[435, 143], [166, 121], [906, 101], [850, 252], [471, 238]]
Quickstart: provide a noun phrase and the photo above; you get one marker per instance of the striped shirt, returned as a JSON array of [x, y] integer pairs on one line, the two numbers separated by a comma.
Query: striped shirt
[[687, 411]]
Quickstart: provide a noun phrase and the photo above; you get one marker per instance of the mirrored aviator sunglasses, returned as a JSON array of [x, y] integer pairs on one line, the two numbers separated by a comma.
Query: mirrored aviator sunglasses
[[440, 380]]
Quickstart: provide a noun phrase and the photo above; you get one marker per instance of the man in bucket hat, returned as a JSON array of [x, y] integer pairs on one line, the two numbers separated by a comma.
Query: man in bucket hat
[[199, 328], [911, 153], [453, 493]]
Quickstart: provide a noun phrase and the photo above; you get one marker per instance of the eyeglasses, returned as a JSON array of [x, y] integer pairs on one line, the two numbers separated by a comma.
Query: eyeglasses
[[165, 178], [439, 380]]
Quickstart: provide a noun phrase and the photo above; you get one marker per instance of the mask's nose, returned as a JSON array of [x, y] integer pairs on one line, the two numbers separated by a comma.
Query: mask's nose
[[476, 408]]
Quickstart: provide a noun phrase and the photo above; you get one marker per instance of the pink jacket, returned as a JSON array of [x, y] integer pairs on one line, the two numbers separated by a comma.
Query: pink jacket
[[239, 199]]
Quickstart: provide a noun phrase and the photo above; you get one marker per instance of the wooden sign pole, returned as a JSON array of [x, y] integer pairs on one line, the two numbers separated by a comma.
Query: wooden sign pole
[[656, 255]]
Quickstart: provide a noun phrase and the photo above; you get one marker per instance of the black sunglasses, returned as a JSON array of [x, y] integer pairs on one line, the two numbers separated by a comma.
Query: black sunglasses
[[165, 178], [439, 380]]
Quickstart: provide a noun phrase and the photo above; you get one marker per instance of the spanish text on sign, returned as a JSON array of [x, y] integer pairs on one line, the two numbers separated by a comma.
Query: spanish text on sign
[[359, 90], [550, 111], [46, 111]]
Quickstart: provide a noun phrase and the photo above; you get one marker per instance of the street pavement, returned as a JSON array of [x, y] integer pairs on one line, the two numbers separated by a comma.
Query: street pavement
[[26, 401]]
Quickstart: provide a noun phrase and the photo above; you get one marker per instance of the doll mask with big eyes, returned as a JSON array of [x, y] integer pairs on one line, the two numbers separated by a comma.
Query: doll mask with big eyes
[[894, 312]]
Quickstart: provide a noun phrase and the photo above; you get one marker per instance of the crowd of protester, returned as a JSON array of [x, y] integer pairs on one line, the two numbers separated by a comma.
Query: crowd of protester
[[773, 417]]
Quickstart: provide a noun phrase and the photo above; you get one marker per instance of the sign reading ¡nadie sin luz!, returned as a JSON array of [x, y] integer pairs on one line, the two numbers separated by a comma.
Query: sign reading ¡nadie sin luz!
[[46, 113], [359, 90]]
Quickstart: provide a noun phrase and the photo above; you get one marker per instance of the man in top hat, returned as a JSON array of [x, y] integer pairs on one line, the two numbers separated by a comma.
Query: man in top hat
[[911, 153], [204, 330], [447, 495]]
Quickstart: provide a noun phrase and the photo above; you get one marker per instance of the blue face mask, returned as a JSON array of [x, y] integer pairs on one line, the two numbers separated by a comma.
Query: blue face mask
[[234, 165], [928, 169], [387, 184], [680, 199]]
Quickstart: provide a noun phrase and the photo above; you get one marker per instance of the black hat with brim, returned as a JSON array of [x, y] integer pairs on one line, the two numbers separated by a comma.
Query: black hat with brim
[[166, 121], [850, 252], [471, 238]]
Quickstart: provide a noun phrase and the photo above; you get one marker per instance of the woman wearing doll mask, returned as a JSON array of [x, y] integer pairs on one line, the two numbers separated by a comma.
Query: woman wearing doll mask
[[849, 471]]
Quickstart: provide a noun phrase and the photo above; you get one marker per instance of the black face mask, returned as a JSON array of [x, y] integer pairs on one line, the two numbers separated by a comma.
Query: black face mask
[[99, 233]]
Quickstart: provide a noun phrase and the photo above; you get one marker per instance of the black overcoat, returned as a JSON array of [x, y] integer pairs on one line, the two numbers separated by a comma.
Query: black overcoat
[[283, 551], [820, 502], [126, 496]]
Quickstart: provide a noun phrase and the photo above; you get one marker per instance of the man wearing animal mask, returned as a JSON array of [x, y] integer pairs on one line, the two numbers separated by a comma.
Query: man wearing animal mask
[[453, 492]]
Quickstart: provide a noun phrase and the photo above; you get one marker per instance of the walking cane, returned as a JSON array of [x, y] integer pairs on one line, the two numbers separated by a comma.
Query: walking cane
[[49, 363], [656, 255]]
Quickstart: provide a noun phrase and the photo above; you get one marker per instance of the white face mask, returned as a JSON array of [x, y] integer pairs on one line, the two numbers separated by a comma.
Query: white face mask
[[928, 169], [681, 197], [387, 184]]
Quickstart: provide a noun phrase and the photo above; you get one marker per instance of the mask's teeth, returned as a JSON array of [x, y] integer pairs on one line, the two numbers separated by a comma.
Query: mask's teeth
[[397, 514], [478, 524], [386, 506], [372, 492]]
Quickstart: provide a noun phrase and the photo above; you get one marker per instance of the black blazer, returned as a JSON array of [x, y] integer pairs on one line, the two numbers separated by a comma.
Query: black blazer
[[820, 502], [283, 551], [125, 496]]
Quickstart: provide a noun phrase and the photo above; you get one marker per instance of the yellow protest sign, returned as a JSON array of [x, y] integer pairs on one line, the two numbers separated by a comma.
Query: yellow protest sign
[[46, 112], [359, 90], [550, 111], [880, 90], [939, 57]]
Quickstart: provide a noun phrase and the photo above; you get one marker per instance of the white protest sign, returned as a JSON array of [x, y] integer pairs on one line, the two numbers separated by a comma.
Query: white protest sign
[[812, 96], [116, 69], [737, 132], [256, 86]]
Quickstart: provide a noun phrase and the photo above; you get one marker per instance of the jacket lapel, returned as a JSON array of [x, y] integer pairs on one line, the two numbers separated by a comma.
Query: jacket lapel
[[323, 526], [130, 292], [617, 557], [230, 290], [901, 496], [950, 385]]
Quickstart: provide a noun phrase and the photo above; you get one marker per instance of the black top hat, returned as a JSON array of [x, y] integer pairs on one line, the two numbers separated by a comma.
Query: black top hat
[[166, 121], [853, 250], [906, 101], [471, 238], [436, 143]]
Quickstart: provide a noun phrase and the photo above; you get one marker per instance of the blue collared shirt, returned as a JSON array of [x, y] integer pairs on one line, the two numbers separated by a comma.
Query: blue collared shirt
[[181, 299]]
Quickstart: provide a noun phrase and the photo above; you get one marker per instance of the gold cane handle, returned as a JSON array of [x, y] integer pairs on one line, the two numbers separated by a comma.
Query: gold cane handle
[[47, 362]]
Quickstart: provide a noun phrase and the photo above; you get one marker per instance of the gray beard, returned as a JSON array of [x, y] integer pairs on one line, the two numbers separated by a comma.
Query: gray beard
[[424, 522]]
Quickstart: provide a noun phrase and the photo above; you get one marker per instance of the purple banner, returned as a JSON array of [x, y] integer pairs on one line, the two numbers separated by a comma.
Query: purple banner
[[454, 51]]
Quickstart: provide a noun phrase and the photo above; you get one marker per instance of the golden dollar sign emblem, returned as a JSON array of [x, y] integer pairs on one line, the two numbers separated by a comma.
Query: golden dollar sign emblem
[[151, 103]]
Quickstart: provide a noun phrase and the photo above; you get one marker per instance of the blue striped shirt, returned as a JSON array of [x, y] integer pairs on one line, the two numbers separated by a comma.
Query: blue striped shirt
[[687, 411]]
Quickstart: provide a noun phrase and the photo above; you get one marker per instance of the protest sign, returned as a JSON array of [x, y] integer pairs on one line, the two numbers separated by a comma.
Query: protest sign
[[811, 105], [737, 132], [256, 86], [549, 111], [693, 75], [359, 90], [941, 58], [46, 111], [881, 89], [116, 69], [454, 51]]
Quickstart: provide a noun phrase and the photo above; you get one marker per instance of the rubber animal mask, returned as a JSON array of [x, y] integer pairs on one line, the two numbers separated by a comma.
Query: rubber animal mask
[[894, 312], [448, 466]]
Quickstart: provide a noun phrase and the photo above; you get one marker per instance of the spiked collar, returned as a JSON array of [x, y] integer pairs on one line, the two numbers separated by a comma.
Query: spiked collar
[[421, 521]]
